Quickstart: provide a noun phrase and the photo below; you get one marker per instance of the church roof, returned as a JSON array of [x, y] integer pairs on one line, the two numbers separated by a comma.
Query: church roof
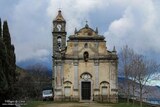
[[59, 17], [86, 33]]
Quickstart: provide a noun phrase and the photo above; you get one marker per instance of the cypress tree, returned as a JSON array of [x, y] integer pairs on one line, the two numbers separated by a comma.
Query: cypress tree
[[0, 28], [10, 50], [2, 60], [9, 66], [7, 43], [4, 86], [13, 63], [4, 79], [6, 35]]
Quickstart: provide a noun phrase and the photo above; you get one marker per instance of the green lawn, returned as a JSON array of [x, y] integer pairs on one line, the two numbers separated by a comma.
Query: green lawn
[[127, 105], [36, 103]]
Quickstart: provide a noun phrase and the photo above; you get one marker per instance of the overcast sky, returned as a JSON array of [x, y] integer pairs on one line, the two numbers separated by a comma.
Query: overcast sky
[[132, 22]]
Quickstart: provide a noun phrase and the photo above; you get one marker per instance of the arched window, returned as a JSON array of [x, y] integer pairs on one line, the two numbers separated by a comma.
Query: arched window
[[85, 45], [104, 87], [86, 56], [67, 88], [59, 40]]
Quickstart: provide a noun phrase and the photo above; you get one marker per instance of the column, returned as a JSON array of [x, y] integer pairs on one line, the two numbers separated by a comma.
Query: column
[[59, 75], [96, 83], [75, 75]]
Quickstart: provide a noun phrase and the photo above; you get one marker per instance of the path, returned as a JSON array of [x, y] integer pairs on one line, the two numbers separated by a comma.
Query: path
[[76, 105]]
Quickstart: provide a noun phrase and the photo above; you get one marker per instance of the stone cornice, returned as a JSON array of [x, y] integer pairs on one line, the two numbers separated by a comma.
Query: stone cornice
[[86, 38], [105, 57], [57, 32]]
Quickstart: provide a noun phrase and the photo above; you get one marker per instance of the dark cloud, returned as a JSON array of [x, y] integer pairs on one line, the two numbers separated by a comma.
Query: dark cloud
[[132, 22]]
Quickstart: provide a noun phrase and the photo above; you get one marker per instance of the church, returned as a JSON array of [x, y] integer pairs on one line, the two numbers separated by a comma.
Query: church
[[83, 68]]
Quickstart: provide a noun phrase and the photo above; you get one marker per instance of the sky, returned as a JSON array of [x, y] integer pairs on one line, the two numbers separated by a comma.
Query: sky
[[135, 23]]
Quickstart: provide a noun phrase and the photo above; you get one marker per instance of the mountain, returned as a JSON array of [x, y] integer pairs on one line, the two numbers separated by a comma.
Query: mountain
[[30, 62], [151, 93]]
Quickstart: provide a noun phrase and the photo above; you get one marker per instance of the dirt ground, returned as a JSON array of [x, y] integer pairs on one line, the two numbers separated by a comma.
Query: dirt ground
[[75, 105]]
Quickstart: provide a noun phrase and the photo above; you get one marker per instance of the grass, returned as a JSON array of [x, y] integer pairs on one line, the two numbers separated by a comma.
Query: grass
[[127, 105], [37, 103]]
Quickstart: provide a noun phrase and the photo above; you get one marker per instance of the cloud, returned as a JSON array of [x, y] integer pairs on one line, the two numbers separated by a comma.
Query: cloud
[[132, 22], [31, 30], [76, 12], [31, 24], [138, 27]]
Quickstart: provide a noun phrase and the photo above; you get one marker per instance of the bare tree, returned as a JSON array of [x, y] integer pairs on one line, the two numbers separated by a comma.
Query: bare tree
[[137, 70], [145, 70], [125, 58]]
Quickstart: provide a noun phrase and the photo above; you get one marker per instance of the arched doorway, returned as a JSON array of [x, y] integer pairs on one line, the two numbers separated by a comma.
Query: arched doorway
[[86, 87]]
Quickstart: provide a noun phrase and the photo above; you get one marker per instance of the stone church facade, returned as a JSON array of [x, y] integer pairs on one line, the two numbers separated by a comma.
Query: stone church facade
[[83, 69]]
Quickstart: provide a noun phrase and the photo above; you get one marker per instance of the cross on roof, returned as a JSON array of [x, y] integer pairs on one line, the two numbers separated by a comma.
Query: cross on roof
[[86, 22]]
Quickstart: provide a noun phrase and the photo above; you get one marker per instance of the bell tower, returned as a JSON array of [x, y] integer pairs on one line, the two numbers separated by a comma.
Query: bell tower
[[59, 48], [59, 34]]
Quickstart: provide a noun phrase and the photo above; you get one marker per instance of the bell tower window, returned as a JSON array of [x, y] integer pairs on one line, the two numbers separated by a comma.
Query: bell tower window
[[59, 41]]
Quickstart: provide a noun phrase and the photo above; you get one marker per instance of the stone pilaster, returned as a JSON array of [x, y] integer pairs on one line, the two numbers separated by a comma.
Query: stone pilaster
[[62, 73], [113, 83], [75, 74], [96, 64], [58, 74]]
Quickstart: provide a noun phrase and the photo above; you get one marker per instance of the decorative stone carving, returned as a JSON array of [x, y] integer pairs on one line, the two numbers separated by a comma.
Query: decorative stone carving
[[86, 76]]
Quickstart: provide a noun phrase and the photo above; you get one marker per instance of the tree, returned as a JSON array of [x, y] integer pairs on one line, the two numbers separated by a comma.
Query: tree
[[137, 70], [125, 58], [133, 75], [41, 78], [145, 70], [9, 53], [31, 82], [7, 64]]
